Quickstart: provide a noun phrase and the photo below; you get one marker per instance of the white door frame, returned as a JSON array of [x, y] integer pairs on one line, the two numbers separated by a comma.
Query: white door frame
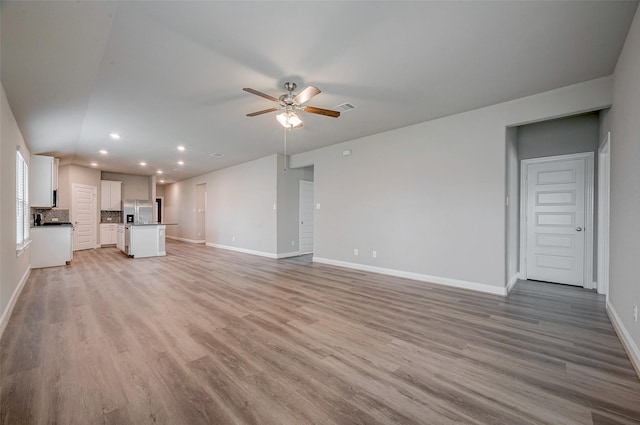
[[300, 185], [604, 175], [587, 282]]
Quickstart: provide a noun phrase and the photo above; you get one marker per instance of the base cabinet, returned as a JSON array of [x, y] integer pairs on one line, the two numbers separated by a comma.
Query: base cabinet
[[108, 234], [51, 246]]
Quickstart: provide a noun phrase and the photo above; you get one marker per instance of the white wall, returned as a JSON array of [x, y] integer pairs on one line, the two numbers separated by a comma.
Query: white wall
[[430, 198], [624, 283], [240, 205], [13, 269]]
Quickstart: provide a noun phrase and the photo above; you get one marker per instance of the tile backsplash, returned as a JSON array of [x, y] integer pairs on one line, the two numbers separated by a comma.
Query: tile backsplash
[[115, 216], [49, 214]]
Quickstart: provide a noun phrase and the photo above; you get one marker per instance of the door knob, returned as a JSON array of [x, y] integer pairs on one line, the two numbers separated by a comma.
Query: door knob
[[579, 229]]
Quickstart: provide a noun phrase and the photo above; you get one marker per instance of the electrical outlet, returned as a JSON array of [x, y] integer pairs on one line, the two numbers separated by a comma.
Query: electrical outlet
[[293, 243], [635, 312], [54, 219], [374, 254], [233, 238], [355, 251]]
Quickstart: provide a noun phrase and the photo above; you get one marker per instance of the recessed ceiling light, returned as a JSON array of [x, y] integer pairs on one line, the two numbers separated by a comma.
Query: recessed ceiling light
[[161, 181], [103, 152], [180, 162], [94, 164], [181, 148], [115, 136], [143, 163], [159, 171]]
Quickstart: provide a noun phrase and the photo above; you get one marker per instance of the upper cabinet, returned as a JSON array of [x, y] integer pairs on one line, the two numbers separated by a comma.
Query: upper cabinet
[[43, 181], [110, 195]]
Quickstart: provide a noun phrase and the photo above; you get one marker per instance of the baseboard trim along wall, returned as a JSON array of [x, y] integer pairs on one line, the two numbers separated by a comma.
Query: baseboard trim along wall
[[474, 286], [243, 250], [629, 345], [4, 320], [514, 279], [184, 239], [288, 254]]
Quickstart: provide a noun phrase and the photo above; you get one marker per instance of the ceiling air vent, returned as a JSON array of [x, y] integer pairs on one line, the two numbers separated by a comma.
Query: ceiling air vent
[[345, 107]]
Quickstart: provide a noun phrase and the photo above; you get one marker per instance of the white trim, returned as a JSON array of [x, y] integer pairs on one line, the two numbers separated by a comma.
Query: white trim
[[514, 279], [185, 239], [474, 286], [6, 314], [604, 197], [288, 254], [632, 349], [587, 278], [243, 250]]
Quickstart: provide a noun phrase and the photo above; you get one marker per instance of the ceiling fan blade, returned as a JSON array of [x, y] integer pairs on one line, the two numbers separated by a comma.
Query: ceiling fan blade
[[253, 114], [259, 93], [325, 112], [305, 95]]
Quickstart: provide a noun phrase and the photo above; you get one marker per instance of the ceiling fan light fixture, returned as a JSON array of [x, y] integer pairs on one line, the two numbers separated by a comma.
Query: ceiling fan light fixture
[[289, 119]]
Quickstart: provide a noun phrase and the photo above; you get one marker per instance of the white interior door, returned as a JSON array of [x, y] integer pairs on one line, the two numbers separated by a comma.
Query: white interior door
[[83, 210], [556, 193], [305, 229]]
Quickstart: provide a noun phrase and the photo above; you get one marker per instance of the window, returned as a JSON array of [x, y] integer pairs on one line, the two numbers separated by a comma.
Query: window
[[22, 203]]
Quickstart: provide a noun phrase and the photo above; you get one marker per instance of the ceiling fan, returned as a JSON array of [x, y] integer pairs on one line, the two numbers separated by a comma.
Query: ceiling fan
[[290, 104]]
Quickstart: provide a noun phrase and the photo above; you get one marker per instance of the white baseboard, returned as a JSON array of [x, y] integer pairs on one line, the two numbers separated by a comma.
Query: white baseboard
[[288, 254], [474, 286], [6, 314], [185, 240], [514, 279], [627, 342], [243, 250]]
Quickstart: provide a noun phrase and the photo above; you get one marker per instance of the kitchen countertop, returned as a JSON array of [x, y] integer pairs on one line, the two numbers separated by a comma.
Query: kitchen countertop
[[52, 225], [152, 224]]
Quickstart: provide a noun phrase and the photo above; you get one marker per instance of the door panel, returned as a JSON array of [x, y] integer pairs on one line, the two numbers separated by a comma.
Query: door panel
[[84, 204], [555, 220]]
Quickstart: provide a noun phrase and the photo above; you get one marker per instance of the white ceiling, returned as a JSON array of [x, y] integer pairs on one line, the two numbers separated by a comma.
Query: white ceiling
[[169, 73]]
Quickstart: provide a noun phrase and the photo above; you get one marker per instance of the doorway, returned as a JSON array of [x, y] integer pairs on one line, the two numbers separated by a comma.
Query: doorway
[[201, 202], [83, 212], [160, 208], [305, 227], [556, 242]]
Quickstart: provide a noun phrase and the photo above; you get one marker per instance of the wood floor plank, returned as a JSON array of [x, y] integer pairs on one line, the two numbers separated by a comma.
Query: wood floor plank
[[207, 336]]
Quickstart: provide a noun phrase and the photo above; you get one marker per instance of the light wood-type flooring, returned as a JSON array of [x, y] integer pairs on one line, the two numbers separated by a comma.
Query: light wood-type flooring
[[206, 336]]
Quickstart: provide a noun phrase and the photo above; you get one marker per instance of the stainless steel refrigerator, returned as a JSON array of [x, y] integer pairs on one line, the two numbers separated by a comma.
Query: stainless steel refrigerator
[[137, 211]]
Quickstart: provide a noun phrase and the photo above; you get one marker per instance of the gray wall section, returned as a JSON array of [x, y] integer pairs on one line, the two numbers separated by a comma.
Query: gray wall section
[[240, 205], [512, 204], [430, 198], [12, 267], [288, 206], [133, 187], [559, 137], [624, 283]]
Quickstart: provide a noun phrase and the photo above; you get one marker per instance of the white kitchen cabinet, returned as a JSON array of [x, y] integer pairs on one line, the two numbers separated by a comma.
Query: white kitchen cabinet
[[51, 246], [43, 181], [108, 234], [120, 237], [110, 195]]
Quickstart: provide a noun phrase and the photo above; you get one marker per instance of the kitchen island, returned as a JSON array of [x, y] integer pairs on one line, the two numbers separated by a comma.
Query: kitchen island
[[142, 240]]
